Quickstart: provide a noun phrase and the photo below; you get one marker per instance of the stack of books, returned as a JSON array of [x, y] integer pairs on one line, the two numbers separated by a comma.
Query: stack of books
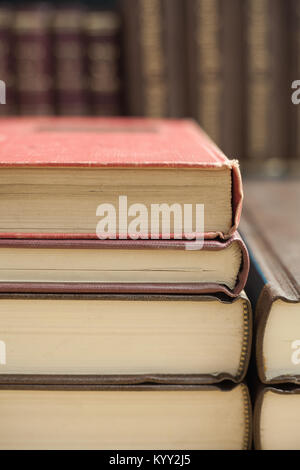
[[123, 319], [271, 228]]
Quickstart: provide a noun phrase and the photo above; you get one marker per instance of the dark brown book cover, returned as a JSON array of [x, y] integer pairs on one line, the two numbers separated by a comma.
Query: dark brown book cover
[[266, 85], [293, 86], [33, 61], [103, 54], [133, 287], [69, 61], [6, 59], [232, 122], [154, 57], [154, 378], [271, 229]]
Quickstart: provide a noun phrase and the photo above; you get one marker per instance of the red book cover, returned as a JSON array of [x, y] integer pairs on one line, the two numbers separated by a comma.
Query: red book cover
[[92, 142]]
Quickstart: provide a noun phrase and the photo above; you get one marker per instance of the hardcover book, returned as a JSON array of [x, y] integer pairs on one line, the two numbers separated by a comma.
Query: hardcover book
[[271, 229], [293, 157], [267, 87], [154, 57], [276, 420], [124, 417], [6, 59], [136, 338], [103, 51], [33, 59], [59, 175], [123, 266], [215, 69], [71, 83]]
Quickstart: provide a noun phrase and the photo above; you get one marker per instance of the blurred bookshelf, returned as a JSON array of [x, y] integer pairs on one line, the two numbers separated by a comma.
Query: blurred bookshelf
[[229, 64]]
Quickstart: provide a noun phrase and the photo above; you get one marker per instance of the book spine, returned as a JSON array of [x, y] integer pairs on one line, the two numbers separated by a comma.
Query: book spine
[[155, 59], [173, 12], [69, 62], [102, 32], [266, 85], [131, 59], [6, 62], [232, 124], [205, 65], [34, 74], [294, 107]]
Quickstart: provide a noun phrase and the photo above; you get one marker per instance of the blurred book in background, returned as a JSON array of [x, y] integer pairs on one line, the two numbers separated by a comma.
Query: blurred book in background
[[215, 81], [155, 59], [6, 71], [294, 74], [102, 33], [267, 87], [69, 60], [33, 61]]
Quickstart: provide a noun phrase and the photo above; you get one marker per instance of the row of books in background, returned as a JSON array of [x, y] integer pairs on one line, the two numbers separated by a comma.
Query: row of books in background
[[60, 60], [228, 64]]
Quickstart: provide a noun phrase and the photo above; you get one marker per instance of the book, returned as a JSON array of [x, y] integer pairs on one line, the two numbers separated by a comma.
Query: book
[[119, 417], [271, 229], [67, 177], [276, 418], [267, 88], [147, 266], [232, 133], [293, 85], [154, 70], [103, 57], [6, 60], [134, 338], [71, 82], [33, 59], [214, 31]]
